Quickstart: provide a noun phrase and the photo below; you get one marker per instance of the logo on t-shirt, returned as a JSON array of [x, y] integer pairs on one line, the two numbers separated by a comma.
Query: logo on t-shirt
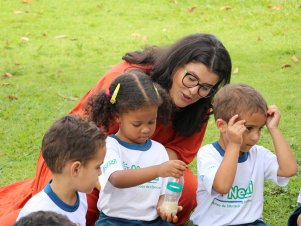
[[241, 193]]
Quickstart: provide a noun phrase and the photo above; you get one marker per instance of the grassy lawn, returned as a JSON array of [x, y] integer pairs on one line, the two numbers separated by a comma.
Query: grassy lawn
[[52, 52]]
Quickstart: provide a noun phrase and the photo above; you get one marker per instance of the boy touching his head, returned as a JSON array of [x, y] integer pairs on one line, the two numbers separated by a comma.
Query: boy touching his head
[[73, 150], [231, 171]]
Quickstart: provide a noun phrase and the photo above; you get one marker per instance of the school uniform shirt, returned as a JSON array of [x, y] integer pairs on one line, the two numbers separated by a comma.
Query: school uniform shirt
[[299, 197], [47, 200], [244, 202], [134, 203]]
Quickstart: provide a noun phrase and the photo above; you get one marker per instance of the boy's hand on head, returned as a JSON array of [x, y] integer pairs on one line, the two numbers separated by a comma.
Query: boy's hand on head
[[235, 130], [273, 117], [172, 168]]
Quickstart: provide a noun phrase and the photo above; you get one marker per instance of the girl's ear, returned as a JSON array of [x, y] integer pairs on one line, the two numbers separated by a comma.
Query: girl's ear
[[75, 168], [117, 118], [221, 125]]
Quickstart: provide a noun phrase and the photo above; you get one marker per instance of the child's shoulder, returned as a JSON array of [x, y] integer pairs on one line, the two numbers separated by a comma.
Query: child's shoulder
[[207, 149], [259, 150], [157, 144]]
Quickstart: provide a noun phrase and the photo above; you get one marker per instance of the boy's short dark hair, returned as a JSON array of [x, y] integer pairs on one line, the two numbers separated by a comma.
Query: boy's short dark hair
[[71, 139], [235, 99], [44, 218]]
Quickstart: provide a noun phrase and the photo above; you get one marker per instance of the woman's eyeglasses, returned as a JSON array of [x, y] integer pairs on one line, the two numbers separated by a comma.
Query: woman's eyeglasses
[[205, 90]]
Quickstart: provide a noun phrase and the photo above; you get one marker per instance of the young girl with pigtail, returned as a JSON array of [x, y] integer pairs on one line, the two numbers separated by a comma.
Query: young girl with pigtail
[[135, 168]]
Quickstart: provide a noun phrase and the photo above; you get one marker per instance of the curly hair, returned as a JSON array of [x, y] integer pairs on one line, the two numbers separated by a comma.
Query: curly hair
[[137, 90]]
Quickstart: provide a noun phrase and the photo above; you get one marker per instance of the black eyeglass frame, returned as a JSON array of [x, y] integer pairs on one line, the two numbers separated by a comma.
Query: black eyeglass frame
[[212, 91]]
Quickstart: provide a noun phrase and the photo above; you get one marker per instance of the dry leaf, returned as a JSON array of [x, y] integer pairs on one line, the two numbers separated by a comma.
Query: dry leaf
[[19, 12], [24, 39], [7, 75], [235, 71], [60, 36], [72, 98], [145, 38], [286, 65], [191, 9], [12, 97], [5, 84], [26, 1], [136, 35], [295, 58], [226, 7], [275, 7]]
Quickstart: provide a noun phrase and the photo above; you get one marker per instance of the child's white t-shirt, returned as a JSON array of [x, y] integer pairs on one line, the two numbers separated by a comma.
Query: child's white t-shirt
[[134, 203], [244, 203], [47, 200]]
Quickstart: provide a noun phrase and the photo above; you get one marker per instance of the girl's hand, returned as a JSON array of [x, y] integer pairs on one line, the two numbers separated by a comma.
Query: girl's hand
[[235, 130], [172, 168], [168, 216], [273, 117]]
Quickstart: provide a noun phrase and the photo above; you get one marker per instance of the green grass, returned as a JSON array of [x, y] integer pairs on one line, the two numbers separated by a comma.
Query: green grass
[[67, 46]]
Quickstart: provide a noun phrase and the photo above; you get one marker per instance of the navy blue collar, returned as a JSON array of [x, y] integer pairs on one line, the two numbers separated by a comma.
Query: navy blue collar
[[64, 206], [242, 158], [137, 147]]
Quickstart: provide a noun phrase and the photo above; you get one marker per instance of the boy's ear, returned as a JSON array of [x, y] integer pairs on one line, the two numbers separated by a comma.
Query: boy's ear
[[75, 168], [221, 125]]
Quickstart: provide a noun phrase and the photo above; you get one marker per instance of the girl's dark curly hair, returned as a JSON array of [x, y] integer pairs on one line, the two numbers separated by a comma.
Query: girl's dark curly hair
[[137, 90]]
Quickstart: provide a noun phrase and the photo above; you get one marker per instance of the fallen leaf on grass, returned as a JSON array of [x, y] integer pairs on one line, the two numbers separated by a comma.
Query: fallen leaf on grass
[[295, 58], [275, 7], [235, 71], [226, 7], [60, 36], [6, 84], [191, 9], [19, 12], [72, 98], [7, 75], [12, 97], [26, 1], [138, 36], [286, 65], [24, 39]]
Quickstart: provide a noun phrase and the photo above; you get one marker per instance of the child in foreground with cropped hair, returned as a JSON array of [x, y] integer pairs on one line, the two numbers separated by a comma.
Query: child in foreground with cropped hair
[[44, 218], [73, 150], [231, 171], [133, 181]]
